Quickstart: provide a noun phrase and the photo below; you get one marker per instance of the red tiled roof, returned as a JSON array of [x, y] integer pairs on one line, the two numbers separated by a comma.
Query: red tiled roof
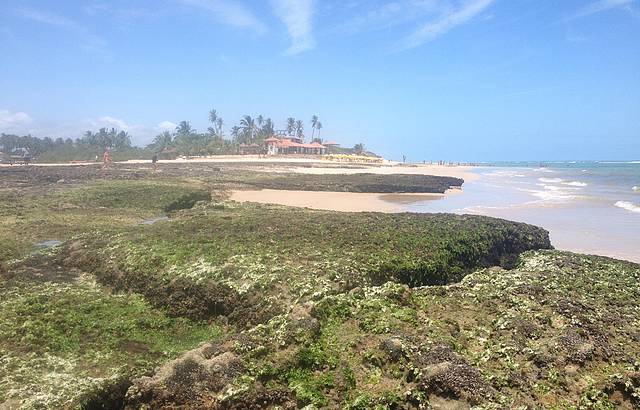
[[285, 143]]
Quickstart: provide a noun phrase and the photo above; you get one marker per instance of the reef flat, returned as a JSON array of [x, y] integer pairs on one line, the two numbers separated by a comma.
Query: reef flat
[[159, 292]]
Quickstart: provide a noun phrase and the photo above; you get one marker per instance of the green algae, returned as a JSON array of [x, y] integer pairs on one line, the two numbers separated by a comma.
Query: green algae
[[499, 339], [326, 309], [61, 340]]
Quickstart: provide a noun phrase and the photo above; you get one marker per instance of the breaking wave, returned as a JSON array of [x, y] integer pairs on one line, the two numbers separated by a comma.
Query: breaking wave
[[550, 180], [629, 206], [575, 183]]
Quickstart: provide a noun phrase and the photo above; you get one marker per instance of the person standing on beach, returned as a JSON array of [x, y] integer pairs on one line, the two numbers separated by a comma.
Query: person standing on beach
[[106, 159], [154, 162]]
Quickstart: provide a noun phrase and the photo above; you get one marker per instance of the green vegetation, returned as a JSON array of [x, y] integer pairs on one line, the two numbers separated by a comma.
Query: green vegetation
[[226, 250], [554, 332], [344, 183], [228, 305], [60, 211], [247, 137], [63, 339]]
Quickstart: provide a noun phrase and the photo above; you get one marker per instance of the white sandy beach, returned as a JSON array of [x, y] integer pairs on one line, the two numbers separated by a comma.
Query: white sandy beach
[[337, 201]]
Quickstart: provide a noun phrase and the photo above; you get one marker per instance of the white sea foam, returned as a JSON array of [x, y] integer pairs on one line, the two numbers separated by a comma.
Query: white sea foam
[[511, 174], [575, 183], [550, 193], [544, 170], [552, 196], [550, 180], [629, 206], [636, 188]]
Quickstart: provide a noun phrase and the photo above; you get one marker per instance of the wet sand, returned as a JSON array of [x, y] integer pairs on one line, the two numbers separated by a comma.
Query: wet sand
[[338, 201]]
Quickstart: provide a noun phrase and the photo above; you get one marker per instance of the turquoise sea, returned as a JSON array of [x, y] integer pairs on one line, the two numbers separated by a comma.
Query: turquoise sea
[[587, 206]]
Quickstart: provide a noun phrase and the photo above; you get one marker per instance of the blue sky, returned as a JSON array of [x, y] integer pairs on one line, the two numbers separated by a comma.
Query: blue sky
[[466, 80]]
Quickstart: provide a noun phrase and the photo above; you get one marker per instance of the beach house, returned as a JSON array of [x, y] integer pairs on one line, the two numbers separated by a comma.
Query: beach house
[[287, 145]]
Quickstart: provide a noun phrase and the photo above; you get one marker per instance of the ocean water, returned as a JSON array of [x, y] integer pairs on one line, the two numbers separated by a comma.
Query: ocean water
[[588, 207]]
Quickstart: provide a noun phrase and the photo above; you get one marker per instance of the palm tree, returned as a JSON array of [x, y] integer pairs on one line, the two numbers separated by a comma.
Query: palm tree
[[248, 125], [359, 148], [314, 123], [319, 127], [184, 128], [291, 125], [235, 132], [219, 125], [213, 117], [268, 129], [299, 129], [162, 141]]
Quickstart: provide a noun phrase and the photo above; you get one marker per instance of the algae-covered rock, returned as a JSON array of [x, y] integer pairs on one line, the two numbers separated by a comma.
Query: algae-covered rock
[[456, 346]]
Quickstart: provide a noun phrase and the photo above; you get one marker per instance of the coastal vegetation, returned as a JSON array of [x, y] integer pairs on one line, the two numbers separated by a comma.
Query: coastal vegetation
[[183, 140], [228, 305]]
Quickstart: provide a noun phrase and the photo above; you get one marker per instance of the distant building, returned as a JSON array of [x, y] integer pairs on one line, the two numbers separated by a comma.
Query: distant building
[[284, 145]]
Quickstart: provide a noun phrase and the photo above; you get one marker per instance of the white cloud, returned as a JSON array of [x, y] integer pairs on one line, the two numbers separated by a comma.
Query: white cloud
[[10, 121], [109, 122], [297, 16], [166, 126], [21, 123], [600, 6], [447, 21], [230, 12]]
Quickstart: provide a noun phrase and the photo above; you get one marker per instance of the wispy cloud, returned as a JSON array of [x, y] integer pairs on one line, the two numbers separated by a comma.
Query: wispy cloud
[[600, 6], [297, 16], [51, 19], [447, 21], [229, 12], [90, 42], [364, 18]]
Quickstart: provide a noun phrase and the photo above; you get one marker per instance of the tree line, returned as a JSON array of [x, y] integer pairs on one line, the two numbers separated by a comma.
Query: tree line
[[184, 140], [250, 130]]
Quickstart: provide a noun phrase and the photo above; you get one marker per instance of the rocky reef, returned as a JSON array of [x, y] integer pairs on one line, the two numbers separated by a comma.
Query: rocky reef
[[560, 330], [244, 306]]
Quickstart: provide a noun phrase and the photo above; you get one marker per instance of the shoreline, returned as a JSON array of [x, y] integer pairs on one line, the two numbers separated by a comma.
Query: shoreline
[[297, 165]]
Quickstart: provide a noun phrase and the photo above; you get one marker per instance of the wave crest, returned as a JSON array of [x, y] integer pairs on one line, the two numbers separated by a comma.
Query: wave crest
[[629, 206], [575, 183], [549, 180]]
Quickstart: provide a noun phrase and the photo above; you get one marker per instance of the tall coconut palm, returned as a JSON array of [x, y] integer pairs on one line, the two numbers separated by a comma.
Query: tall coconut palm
[[235, 132], [248, 125], [213, 117], [219, 127], [268, 129], [300, 129], [314, 124], [291, 125], [319, 127]]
